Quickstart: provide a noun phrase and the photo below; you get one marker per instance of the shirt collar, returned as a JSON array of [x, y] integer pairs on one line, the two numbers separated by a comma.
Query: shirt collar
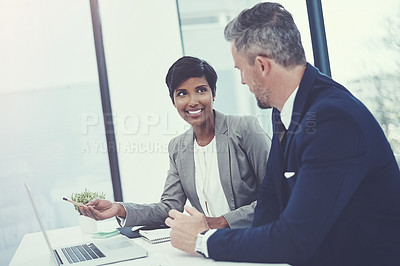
[[287, 109]]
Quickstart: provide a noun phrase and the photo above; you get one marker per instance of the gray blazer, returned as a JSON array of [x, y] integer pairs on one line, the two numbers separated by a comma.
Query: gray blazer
[[242, 152]]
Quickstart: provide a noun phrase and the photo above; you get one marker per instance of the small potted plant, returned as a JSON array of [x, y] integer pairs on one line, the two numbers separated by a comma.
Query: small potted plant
[[87, 224]]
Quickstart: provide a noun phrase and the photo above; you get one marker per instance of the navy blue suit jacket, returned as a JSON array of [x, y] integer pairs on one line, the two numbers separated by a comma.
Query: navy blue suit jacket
[[341, 206]]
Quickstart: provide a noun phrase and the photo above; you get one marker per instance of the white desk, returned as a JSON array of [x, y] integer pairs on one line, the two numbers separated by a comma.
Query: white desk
[[33, 250]]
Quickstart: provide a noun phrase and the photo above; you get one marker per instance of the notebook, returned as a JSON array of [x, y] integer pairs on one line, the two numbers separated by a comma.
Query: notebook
[[156, 236], [133, 231], [96, 252]]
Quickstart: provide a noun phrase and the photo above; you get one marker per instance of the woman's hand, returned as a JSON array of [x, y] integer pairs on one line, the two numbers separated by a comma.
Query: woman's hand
[[100, 209], [217, 222]]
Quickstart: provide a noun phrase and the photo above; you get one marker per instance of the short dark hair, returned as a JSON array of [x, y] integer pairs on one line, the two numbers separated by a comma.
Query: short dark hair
[[267, 29], [190, 67]]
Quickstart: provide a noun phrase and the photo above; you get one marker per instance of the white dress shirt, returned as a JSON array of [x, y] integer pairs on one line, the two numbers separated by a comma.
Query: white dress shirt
[[287, 109]]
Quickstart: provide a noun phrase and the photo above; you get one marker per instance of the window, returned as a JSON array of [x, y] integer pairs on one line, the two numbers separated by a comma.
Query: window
[[139, 48], [51, 115], [363, 44]]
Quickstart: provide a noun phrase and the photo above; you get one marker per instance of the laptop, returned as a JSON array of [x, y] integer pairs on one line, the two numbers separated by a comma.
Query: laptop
[[96, 252]]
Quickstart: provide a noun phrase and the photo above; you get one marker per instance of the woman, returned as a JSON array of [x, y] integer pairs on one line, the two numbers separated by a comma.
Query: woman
[[218, 164]]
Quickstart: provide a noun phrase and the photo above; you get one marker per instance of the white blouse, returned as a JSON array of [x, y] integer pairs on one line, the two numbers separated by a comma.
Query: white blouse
[[208, 183]]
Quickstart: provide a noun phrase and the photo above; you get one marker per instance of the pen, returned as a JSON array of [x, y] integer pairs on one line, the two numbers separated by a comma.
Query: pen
[[78, 204]]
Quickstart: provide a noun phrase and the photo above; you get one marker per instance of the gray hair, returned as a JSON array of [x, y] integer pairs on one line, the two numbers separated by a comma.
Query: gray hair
[[267, 29]]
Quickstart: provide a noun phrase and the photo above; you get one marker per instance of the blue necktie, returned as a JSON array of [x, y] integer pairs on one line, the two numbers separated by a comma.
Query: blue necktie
[[282, 132]]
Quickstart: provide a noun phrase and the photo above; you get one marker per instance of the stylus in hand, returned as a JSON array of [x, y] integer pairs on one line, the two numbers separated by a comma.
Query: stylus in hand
[[78, 204]]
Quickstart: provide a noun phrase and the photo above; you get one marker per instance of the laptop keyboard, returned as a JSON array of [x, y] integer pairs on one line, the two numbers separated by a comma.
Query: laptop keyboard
[[82, 253]]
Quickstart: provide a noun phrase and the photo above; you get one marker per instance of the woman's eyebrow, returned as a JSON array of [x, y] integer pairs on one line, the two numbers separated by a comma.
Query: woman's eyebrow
[[202, 86]]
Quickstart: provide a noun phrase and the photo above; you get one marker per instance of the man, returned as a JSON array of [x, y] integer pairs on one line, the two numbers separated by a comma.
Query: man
[[331, 194]]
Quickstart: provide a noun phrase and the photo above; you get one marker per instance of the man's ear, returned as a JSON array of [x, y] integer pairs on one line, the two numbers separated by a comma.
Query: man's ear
[[263, 64], [173, 103]]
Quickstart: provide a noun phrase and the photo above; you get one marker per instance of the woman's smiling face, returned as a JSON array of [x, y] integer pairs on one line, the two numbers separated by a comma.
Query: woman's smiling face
[[193, 100]]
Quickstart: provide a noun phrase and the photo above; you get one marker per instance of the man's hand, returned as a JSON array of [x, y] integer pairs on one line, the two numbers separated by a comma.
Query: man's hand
[[185, 228], [100, 209], [217, 222]]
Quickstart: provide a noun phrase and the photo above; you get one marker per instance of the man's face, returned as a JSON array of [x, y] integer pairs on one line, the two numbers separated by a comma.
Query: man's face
[[252, 76]]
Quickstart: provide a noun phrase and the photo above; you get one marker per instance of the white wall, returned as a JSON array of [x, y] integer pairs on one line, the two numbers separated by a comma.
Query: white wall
[[141, 40]]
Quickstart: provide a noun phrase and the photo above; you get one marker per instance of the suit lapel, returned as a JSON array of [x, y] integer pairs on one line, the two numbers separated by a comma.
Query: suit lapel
[[299, 108], [222, 139], [188, 170]]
